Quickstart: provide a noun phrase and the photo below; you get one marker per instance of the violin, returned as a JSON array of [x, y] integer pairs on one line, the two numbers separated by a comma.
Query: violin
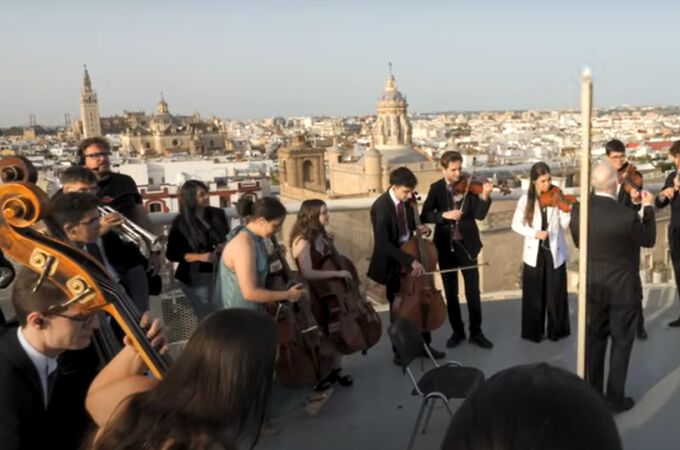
[[82, 279], [300, 362], [629, 178], [554, 197], [475, 185], [352, 322], [419, 300]]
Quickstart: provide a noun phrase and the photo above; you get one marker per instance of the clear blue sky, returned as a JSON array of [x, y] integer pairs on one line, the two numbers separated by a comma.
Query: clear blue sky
[[245, 59]]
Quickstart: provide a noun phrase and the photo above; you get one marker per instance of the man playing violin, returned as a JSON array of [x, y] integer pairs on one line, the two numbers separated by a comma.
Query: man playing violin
[[42, 400], [393, 224], [457, 239], [669, 196], [629, 194]]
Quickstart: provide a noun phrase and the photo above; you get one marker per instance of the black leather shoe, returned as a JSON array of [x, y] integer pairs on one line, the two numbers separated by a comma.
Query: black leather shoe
[[642, 334], [455, 340], [620, 405], [675, 323], [481, 340], [436, 354]]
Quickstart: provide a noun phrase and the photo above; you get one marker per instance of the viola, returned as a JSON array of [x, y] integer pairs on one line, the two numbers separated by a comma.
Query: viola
[[554, 197], [629, 178], [301, 362], [82, 279], [352, 322], [419, 300], [475, 185]]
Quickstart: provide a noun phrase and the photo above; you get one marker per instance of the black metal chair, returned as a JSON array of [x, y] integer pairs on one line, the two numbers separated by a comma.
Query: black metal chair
[[443, 382]]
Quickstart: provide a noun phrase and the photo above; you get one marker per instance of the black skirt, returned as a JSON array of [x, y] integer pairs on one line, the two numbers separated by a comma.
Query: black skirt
[[544, 291]]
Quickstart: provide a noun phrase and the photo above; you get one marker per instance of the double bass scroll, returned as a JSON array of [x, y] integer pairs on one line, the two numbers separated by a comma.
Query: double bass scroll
[[80, 277]]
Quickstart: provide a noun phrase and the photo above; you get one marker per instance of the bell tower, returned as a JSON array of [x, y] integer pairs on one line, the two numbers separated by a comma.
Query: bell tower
[[89, 109]]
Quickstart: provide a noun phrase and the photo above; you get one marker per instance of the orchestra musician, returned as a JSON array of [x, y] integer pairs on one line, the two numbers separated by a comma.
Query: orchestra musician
[[458, 244], [393, 224], [244, 263], [195, 241], [42, 400], [309, 241], [615, 154], [544, 278], [669, 196], [128, 264], [215, 396], [615, 236]]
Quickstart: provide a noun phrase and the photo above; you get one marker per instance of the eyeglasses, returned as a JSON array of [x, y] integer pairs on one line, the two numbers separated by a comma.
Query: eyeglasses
[[90, 222], [98, 155], [85, 319]]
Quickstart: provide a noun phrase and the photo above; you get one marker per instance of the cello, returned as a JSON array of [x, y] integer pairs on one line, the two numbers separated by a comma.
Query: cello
[[353, 323], [82, 279], [419, 300], [300, 362]]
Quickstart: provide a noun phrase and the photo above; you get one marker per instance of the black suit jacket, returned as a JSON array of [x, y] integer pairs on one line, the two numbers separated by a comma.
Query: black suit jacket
[[439, 201], [387, 258], [25, 424], [616, 234], [674, 202]]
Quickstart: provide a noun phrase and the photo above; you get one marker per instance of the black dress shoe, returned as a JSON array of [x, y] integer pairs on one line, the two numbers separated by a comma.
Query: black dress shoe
[[675, 323], [642, 334], [481, 340], [455, 340], [621, 404], [436, 354]]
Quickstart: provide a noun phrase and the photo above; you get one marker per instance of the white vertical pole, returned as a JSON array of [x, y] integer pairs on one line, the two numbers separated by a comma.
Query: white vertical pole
[[586, 117]]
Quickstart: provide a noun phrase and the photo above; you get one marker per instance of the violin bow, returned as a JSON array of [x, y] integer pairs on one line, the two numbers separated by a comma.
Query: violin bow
[[457, 269]]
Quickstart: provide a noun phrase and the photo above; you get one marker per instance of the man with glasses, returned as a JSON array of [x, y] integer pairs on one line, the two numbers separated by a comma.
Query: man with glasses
[[616, 157], [42, 395], [75, 217]]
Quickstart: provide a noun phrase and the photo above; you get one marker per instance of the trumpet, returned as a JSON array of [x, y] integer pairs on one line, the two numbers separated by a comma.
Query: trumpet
[[129, 231]]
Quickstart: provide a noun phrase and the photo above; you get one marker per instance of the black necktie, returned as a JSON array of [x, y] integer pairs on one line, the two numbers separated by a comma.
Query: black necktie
[[401, 216], [51, 380]]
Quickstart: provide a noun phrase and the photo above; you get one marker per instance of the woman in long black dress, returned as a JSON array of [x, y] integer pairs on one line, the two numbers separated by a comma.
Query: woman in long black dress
[[544, 281]]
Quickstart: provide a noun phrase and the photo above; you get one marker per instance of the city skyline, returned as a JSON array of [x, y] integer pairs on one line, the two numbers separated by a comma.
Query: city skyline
[[246, 61]]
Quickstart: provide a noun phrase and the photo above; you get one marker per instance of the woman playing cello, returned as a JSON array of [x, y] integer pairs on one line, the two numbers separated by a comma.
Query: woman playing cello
[[310, 243]]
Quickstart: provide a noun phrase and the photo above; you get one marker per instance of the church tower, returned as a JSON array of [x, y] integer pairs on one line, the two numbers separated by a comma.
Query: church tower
[[89, 109]]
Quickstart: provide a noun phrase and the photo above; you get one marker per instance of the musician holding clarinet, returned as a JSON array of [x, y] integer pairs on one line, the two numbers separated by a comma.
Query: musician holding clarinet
[[457, 239]]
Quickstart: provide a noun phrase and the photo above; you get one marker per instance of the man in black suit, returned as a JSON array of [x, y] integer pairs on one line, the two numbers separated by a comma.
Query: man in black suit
[[614, 239], [41, 407], [669, 196], [616, 156], [457, 239], [393, 224]]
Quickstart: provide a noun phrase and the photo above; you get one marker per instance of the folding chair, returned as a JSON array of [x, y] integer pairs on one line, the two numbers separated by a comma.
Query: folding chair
[[444, 382]]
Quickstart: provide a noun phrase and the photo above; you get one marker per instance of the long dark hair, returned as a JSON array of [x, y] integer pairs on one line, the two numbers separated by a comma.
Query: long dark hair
[[533, 407], [537, 170], [307, 224], [188, 222], [217, 392]]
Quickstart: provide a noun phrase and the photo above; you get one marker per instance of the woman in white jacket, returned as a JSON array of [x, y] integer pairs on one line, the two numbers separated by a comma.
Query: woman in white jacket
[[544, 281]]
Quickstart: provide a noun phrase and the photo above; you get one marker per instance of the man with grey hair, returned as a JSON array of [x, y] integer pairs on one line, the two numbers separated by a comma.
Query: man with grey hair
[[615, 235]]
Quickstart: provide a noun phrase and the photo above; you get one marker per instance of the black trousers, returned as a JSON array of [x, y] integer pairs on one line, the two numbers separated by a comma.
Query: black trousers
[[544, 293], [392, 288], [674, 243], [615, 324], [460, 257]]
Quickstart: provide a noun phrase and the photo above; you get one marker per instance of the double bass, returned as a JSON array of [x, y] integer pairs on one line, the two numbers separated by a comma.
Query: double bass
[[353, 323], [82, 279], [301, 362], [419, 300]]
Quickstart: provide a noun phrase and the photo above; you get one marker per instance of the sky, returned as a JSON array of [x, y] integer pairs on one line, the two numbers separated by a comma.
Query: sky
[[262, 58]]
